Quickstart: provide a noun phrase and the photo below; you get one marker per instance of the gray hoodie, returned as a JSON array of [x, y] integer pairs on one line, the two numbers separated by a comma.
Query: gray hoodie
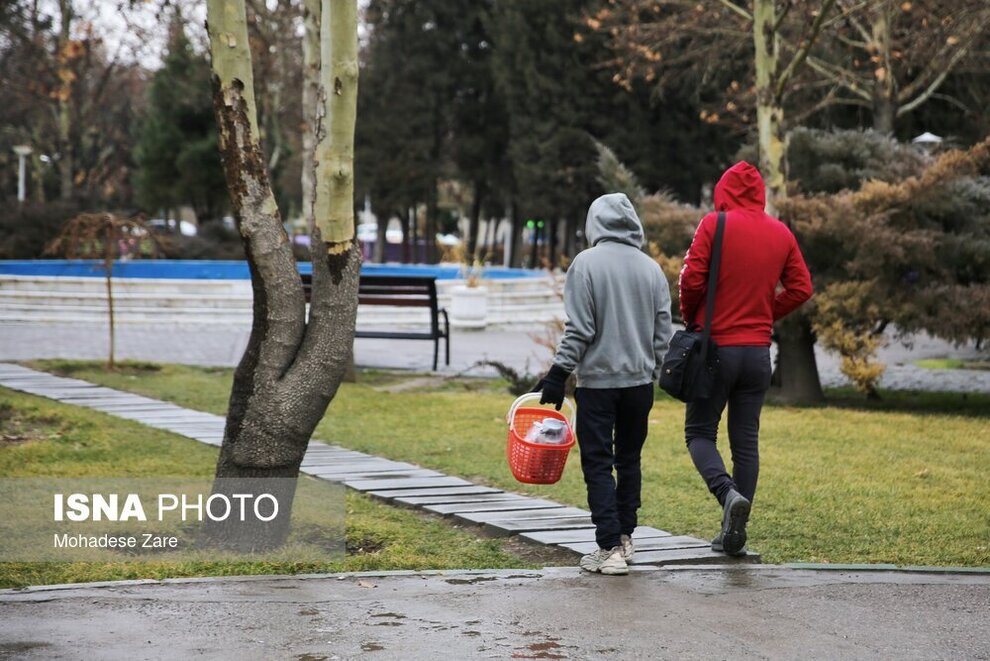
[[617, 302]]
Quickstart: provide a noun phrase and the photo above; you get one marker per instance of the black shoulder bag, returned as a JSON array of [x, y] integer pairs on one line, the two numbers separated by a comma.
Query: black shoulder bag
[[689, 368]]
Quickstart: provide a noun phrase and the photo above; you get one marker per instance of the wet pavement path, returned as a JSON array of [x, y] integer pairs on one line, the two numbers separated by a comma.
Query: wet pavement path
[[687, 613]]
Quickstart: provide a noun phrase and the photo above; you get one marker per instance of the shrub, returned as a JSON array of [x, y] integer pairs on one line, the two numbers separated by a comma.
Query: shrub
[[26, 229], [831, 161]]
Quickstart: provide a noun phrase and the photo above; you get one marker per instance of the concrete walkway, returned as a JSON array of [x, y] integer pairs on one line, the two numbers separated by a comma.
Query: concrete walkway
[[223, 345], [746, 612]]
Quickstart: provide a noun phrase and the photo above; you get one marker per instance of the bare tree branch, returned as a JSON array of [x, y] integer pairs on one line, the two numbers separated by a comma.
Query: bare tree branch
[[737, 9], [937, 70], [849, 13], [806, 45], [844, 77], [783, 15]]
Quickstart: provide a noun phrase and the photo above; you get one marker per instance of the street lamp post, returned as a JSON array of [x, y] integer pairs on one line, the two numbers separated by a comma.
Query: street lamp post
[[22, 151]]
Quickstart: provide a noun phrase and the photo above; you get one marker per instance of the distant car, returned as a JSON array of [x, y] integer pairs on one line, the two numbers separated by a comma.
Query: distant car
[[448, 239], [368, 233], [161, 226]]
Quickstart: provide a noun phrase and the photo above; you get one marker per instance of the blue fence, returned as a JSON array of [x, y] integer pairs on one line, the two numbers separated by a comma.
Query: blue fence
[[226, 270]]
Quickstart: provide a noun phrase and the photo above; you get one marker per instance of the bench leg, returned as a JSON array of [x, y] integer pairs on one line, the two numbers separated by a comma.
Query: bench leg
[[446, 334]]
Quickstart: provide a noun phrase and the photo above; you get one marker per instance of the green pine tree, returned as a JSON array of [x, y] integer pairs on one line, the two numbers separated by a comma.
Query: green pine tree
[[177, 156]]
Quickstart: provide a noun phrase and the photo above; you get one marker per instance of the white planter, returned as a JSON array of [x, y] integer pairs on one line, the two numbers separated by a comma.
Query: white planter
[[469, 307]]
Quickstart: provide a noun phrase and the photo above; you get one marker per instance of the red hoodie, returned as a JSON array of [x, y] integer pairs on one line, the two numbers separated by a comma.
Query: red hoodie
[[758, 253]]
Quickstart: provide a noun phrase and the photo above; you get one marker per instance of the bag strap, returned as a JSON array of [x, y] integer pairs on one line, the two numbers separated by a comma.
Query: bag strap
[[716, 262]]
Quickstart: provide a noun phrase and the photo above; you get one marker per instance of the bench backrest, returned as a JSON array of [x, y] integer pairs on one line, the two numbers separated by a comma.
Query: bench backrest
[[399, 290], [406, 291]]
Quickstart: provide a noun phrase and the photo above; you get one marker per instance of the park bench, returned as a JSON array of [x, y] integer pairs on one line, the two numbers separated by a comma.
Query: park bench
[[401, 291]]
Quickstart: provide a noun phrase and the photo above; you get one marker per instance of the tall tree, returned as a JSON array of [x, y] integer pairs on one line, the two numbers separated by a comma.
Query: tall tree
[[543, 75], [176, 154], [293, 364], [276, 29], [908, 245], [666, 40], [406, 105], [479, 120], [71, 98], [891, 58]]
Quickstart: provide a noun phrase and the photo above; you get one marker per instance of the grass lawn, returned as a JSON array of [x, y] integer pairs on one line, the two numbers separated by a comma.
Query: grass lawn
[[39, 438], [898, 481]]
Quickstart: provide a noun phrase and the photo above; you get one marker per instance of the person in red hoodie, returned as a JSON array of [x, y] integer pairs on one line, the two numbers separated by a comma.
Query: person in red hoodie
[[762, 278]]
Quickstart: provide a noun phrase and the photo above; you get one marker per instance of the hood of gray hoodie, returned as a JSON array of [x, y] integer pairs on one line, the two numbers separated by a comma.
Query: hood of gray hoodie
[[612, 218]]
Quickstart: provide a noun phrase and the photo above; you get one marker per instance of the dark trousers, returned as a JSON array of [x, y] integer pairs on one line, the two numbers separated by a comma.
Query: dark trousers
[[742, 383], [611, 429]]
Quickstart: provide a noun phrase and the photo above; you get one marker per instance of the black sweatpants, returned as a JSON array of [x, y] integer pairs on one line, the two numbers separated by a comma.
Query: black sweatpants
[[742, 383], [611, 429]]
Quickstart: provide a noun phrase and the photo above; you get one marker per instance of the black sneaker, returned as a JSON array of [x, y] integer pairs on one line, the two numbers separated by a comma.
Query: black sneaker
[[718, 548], [735, 514]]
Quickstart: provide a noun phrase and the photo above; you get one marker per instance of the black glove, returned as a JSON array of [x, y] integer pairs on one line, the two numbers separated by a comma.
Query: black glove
[[552, 386]]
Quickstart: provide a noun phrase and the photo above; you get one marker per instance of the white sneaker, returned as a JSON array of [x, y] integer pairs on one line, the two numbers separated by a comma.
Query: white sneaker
[[628, 550], [606, 561]]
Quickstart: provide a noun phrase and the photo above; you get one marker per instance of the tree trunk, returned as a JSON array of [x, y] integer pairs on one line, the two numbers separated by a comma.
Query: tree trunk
[[414, 234], [66, 77], [310, 95], [430, 256], [336, 118], [795, 378], [291, 369], [769, 112], [475, 221], [884, 87], [108, 267], [381, 231], [515, 242], [552, 227], [407, 222], [491, 237]]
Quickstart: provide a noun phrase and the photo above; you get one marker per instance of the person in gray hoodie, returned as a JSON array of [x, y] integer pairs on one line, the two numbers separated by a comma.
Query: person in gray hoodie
[[618, 327]]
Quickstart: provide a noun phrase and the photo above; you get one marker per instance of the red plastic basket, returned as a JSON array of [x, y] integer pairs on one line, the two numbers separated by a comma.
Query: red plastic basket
[[536, 463]]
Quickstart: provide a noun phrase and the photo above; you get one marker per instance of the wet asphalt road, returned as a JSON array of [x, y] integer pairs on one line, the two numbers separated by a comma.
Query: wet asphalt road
[[560, 613]]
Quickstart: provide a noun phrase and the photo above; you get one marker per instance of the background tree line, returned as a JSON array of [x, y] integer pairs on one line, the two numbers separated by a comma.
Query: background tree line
[[519, 110]]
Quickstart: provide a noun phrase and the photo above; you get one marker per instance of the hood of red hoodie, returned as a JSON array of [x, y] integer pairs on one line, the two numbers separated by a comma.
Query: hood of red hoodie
[[741, 187]]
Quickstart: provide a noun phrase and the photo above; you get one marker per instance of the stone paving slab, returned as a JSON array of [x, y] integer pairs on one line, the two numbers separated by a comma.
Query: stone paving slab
[[579, 534], [501, 513], [396, 494], [649, 544], [368, 467], [372, 475], [506, 527], [497, 506], [690, 556], [380, 466], [410, 483], [188, 429], [542, 513], [454, 499], [588, 535], [122, 404]]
